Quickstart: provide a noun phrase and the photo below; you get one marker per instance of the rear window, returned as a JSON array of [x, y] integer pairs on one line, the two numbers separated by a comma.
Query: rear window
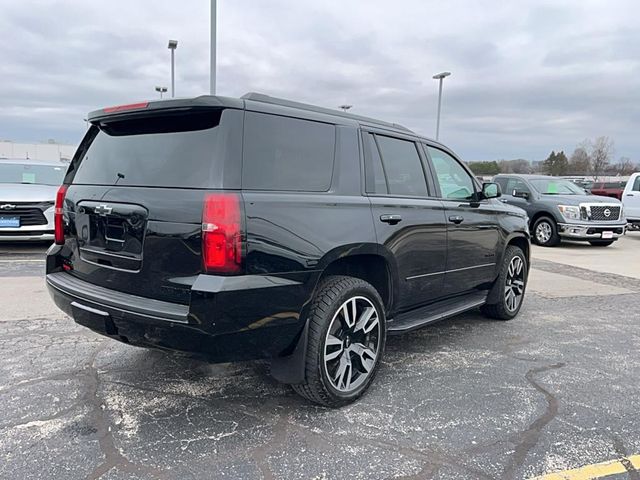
[[289, 154], [177, 150]]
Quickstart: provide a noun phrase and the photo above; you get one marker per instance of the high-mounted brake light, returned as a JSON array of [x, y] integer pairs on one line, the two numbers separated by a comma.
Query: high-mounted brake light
[[124, 108], [58, 215], [222, 233]]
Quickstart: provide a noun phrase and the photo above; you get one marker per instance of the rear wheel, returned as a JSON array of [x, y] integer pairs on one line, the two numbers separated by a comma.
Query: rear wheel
[[600, 243], [545, 232], [347, 333], [511, 284]]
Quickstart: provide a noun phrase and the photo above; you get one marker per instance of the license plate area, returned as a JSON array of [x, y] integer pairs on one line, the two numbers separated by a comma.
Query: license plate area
[[111, 235], [9, 221], [607, 235]]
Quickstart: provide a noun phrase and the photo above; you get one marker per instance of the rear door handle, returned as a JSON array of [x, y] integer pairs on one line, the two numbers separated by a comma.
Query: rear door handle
[[457, 219], [390, 219]]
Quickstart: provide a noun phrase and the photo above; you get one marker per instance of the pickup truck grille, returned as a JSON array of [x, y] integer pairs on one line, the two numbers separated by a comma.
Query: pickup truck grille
[[604, 213]]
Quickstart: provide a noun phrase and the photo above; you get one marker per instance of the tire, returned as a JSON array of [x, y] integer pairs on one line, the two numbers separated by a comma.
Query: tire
[[327, 375], [545, 232], [600, 243], [504, 308]]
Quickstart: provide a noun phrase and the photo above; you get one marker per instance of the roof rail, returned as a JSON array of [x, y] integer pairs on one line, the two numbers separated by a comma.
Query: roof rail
[[261, 97]]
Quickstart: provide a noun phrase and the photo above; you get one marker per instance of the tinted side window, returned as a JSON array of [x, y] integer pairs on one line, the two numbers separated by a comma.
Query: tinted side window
[[455, 182], [402, 166], [502, 181], [282, 153], [516, 184], [636, 184]]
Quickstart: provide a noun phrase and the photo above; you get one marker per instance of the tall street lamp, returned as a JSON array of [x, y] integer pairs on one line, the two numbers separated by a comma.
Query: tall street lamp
[[161, 90], [441, 77], [173, 44]]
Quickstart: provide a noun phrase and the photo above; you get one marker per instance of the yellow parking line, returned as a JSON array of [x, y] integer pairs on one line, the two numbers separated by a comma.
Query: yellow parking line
[[596, 470]]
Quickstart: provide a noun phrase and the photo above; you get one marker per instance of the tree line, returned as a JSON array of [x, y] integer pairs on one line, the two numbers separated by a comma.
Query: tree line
[[591, 157]]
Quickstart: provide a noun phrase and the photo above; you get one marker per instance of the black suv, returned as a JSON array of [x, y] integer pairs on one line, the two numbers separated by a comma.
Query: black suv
[[238, 229]]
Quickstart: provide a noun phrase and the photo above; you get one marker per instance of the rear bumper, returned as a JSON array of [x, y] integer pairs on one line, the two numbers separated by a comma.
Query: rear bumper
[[590, 232], [213, 326]]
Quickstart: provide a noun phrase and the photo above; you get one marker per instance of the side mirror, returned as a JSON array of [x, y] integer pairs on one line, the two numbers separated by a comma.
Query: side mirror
[[521, 194], [491, 190]]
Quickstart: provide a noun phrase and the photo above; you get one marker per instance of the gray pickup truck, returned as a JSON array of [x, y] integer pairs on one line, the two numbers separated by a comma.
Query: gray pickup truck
[[558, 209]]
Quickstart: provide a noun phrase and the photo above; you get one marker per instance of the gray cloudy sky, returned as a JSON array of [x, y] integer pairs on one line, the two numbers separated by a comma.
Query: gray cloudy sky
[[528, 76]]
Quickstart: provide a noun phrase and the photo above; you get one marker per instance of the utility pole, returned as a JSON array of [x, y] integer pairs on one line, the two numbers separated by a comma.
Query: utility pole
[[212, 87], [173, 44]]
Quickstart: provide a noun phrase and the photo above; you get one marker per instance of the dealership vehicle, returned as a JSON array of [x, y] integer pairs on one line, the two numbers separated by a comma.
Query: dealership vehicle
[[257, 227], [608, 189], [582, 183], [559, 209], [27, 193], [631, 201]]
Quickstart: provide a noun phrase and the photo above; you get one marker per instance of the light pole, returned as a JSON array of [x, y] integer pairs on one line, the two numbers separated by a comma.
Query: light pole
[[161, 90], [212, 79], [173, 44], [441, 77], [345, 107]]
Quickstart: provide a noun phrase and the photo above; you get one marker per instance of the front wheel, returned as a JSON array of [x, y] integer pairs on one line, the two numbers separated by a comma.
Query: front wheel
[[347, 332], [510, 285], [545, 232], [600, 243]]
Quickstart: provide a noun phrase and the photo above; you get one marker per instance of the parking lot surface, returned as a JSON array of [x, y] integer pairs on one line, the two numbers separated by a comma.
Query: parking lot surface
[[553, 390]]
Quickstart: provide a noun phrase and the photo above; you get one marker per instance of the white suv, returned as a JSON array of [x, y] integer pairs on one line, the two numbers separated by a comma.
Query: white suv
[[27, 195]]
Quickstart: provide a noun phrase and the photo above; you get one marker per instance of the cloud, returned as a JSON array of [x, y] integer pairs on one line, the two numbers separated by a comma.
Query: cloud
[[528, 76]]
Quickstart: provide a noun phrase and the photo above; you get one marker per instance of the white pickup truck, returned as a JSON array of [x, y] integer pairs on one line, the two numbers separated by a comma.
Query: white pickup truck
[[631, 201]]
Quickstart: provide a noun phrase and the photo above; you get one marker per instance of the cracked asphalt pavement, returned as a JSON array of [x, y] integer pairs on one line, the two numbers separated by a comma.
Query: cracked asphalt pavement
[[467, 398]]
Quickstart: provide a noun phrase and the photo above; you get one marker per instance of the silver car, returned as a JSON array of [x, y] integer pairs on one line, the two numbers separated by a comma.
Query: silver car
[[27, 195]]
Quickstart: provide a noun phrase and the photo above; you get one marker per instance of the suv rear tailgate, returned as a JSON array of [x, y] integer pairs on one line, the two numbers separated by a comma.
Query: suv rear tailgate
[[133, 209]]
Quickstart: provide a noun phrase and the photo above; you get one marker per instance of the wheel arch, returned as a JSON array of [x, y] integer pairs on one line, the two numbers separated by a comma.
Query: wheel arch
[[360, 261], [521, 241], [368, 266], [540, 214]]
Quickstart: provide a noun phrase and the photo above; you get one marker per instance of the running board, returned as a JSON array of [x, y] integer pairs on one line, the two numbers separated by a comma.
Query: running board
[[435, 312]]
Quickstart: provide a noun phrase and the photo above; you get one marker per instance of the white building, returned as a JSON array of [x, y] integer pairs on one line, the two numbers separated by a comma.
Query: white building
[[37, 151]]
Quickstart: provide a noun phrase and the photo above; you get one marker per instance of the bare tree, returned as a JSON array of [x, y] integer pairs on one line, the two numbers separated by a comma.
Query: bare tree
[[601, 153], [580, 161], [626, 166]]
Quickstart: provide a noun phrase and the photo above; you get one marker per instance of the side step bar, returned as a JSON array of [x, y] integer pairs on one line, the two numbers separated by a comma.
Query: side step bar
[[435, 312]]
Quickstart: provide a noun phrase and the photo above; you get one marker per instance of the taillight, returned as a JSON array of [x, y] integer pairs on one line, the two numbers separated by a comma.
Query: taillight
[[222, 233], [58, 216]]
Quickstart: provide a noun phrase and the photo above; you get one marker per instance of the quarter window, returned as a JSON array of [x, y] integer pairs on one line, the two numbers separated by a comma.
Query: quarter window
[[455, 183], [374, 173], [402, 166], [282, 153]]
